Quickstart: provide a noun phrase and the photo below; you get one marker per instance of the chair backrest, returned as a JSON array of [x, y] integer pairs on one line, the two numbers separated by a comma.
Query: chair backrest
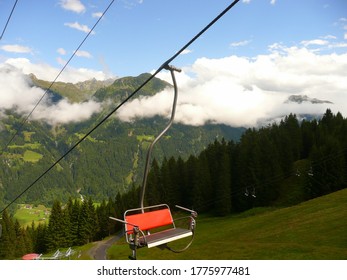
[[148, 220]]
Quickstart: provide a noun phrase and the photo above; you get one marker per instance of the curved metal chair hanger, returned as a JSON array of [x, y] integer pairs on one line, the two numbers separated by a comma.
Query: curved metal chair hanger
[[149, 153], [141, 221]]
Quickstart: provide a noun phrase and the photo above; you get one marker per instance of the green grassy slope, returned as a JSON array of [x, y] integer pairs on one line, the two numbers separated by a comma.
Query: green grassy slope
[[316, 229]]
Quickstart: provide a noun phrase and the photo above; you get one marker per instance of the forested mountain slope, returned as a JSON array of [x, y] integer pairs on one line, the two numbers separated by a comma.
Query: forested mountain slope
[[110, 160], [278, 165], [282, 164]]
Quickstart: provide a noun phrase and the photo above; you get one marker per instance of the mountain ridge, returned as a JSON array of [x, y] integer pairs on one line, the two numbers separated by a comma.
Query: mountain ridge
[[304, 98], [74, 92], [109, 161]]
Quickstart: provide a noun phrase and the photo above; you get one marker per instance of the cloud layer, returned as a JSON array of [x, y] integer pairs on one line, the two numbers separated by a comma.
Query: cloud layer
[[236, 91], [80, 27], [17, 93], [15, 49], [72, 5], [241, 91]]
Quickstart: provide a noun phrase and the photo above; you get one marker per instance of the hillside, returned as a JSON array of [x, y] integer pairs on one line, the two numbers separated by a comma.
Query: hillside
[[315, 229]]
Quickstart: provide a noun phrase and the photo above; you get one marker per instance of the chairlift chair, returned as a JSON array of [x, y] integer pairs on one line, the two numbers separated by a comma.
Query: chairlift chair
[[253, 192], [310, 171], [247, 193], [154, 226]]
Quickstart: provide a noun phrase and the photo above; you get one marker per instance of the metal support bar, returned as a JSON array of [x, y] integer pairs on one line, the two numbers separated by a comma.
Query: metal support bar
[[172, 69], [122, 221]]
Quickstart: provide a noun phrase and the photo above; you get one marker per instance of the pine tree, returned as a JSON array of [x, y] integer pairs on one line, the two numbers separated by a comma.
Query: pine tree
[[223, 200], [308, 132], [8, 238], [170, 190], [74, 209], [119, 207], [29, 245], [204, 181], [66, 228], [88, 222], [103, 214], [328, 168], [40, 239], [55, 237], [20, 247], [154, 189], [111, 212], [191, 193]]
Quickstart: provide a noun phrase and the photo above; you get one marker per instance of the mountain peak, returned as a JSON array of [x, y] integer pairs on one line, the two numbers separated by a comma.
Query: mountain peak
[[304, 98], [123, 87]]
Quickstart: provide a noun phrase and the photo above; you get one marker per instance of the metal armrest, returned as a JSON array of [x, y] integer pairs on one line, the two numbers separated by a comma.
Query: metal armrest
[[192, 212], [122, 221], [136, 228]]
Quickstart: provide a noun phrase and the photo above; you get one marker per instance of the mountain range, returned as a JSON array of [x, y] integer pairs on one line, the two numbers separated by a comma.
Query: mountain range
[[108, 161]]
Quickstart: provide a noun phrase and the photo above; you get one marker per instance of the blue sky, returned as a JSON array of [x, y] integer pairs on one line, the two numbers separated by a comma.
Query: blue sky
[[265, 47], [137, 36]]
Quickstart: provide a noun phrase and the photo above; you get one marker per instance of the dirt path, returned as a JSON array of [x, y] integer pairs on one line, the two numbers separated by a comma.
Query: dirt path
[[98, 251]]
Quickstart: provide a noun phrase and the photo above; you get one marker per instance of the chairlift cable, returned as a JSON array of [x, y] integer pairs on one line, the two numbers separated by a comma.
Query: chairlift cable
[[24, 121], [164, 65], [8, 20]]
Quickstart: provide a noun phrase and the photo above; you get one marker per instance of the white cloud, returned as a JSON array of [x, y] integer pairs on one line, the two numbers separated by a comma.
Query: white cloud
[[49, 73], [16, 49], [83, 54], [317, 42], [186, 51], [17, 93], [61, 51], [73, 5], [237, 91], [339, 45], [272, 2], [66, 112], [97, 15], [240, 43], [325, 43], [78, 26], [327, 37], [242, 91]]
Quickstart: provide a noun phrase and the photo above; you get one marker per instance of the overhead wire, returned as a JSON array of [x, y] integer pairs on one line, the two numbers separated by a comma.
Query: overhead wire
[[167, 62], [24, 121], [8, 19]]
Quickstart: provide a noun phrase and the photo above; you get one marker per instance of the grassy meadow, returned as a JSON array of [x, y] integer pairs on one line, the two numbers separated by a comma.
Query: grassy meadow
[[26, 214], [316, 229]]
